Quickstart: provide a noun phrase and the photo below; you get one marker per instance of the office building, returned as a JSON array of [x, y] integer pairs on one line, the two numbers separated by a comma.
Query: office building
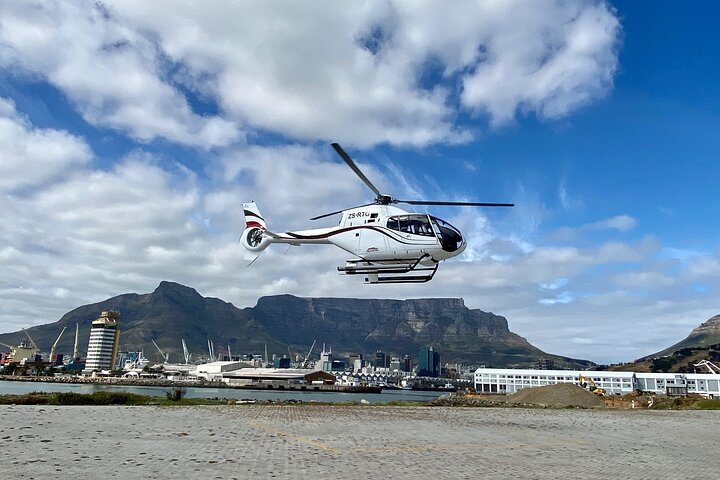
[[102, 347], [428, 363]]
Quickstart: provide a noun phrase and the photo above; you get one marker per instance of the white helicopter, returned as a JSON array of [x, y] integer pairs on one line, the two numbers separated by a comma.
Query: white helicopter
[[391, 245]]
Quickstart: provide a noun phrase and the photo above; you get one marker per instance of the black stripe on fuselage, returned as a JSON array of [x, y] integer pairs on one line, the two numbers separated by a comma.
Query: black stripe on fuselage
[[347, 229]]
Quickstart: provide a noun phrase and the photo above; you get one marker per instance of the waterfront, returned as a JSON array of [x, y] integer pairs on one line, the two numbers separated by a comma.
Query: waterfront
[[370, 442], [18, 388]]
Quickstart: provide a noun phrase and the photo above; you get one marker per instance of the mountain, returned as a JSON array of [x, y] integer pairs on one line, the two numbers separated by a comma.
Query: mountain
[[167, 315], [703, 343], [347, 325], [708, 333]]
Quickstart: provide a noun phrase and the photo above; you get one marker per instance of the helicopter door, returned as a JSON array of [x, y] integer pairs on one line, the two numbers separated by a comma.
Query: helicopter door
[[371, 243]]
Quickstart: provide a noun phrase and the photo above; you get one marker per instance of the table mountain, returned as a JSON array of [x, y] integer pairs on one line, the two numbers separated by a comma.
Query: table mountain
[[348, 325]]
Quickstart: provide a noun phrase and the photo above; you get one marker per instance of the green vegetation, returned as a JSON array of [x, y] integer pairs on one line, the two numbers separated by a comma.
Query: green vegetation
[[99, 398], [685, 403]]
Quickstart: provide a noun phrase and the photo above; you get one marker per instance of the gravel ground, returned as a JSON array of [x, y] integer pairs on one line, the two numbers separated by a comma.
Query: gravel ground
[[367, 442]]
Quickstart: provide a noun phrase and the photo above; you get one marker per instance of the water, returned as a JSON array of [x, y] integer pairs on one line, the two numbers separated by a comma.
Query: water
[[19, 388]]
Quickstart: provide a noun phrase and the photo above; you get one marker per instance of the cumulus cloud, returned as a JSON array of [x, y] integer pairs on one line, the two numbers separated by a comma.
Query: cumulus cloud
[[363, 74], [30, 156], [116, 77]]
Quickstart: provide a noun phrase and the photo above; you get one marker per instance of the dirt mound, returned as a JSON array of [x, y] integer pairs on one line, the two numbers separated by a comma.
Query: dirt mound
[[561, 394]]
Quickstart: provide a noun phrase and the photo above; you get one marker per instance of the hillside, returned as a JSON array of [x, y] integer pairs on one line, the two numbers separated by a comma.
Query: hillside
[[703, 343], [706, 334], [347, 325]]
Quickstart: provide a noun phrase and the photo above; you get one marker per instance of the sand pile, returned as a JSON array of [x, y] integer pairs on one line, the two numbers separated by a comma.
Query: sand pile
[[561, 394]]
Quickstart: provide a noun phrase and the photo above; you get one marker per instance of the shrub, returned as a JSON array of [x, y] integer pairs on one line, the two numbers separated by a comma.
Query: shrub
[[176, 394]]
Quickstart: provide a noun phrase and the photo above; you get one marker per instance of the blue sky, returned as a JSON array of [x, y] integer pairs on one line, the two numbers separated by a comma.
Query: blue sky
[[133, 132]]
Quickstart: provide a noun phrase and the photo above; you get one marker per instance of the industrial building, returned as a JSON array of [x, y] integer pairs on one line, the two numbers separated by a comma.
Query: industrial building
[[242, 373], [499, 380], [103, 344]]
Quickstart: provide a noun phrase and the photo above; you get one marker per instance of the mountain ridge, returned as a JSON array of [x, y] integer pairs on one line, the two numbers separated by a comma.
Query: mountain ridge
[[350, 325]]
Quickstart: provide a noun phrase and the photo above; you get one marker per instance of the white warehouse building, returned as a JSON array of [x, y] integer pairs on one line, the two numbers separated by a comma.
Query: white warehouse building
[[500, 380]]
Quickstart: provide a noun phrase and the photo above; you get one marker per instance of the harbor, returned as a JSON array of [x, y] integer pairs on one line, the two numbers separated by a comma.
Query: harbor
[[322, 396]]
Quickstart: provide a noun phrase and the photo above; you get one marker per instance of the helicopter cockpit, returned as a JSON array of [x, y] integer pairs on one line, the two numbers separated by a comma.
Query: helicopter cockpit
[[428, 226], [449, 236]]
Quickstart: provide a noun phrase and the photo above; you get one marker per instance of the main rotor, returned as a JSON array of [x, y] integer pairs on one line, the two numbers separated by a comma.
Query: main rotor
[[383, 199]]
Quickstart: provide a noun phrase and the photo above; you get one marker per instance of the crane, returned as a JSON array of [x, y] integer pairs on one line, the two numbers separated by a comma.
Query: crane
[[307, 357], [32, 342], [186, 352], [52, 349], [165, 356], [709, 365], [75, 348]]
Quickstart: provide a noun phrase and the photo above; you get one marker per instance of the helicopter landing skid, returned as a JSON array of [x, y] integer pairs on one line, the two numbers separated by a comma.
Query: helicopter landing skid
[[390, 270]]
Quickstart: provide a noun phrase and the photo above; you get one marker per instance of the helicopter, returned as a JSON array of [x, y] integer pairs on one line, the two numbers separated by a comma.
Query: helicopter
[[390, 245]]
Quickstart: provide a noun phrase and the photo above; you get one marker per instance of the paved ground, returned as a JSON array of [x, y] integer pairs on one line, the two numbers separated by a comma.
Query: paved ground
[[315, 442]]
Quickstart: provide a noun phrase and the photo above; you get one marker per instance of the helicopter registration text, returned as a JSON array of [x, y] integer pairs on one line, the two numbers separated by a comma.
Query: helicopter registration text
[[358, 215]]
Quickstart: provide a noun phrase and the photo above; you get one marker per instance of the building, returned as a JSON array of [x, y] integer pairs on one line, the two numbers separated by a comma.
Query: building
[[326, 360], [380, 359], [395, 364], [356, 362], [102, 347], [428, 363], [407, 364], [281, 362], [546, 364], [499, 380]]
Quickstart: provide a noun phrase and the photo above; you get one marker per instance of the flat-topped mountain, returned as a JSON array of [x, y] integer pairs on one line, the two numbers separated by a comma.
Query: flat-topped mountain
[[173, 312]]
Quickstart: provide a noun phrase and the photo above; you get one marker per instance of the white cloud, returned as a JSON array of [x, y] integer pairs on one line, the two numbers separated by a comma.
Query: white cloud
[[115, 76], [559, 56], [361, 74], [622, 223], [30, 156]]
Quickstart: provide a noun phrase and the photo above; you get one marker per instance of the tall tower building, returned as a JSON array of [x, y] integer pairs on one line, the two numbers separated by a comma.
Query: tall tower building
[[104, 337], [380, 359], [428, 363]]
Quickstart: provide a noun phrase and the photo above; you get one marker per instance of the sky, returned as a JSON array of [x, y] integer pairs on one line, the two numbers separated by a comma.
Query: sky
[[131, 132]]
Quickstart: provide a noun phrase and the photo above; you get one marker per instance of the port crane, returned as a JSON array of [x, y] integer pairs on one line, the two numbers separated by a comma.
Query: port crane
[[54, 345], [165, 356], [307, 357], [186, 352], [709, 365]]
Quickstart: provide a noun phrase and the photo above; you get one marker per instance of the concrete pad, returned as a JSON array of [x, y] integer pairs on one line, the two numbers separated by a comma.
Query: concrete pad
[[368, 442]]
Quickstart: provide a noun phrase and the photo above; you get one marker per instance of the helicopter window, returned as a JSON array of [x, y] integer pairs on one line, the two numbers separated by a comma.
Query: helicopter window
[[450, 237], [413, 224]]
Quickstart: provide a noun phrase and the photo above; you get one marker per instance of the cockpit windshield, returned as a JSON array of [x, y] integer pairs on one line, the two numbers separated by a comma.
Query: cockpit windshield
[[414, 224], [449, 236]]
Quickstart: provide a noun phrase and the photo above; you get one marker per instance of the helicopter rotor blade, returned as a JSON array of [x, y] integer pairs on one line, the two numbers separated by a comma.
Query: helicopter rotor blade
[[457, 204], [340, 211], [355, 168]]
